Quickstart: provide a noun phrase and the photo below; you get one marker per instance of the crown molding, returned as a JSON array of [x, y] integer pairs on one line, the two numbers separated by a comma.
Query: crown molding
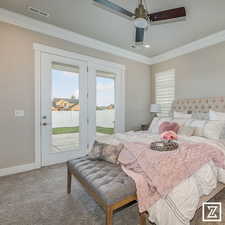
[[54, 31], [61, 52], [210, 40]]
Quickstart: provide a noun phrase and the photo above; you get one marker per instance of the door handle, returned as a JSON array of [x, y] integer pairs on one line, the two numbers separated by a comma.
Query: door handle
[[44, 124]]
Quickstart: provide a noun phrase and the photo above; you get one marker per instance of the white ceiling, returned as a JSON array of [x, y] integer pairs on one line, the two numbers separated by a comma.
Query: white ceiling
[[204, 17]]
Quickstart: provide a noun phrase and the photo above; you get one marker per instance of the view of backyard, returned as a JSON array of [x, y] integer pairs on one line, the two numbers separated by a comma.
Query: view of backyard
[[66, 130], [66, 109]]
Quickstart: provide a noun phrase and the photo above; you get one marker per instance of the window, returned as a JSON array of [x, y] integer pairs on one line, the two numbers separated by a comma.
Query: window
[[105, 102], [165, 90]]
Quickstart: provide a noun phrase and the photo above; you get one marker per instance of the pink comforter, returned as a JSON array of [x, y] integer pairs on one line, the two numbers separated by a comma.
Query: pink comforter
[[157, 173]]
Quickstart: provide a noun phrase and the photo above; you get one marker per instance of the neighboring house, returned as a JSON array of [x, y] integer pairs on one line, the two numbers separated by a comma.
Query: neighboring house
[[110, 107], [72, 104], [64, 104], [75, 107], [54, 108]]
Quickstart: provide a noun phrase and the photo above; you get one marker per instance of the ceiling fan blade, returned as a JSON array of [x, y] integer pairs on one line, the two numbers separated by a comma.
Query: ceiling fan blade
[[171, 15], [139, 36], [114, 8]]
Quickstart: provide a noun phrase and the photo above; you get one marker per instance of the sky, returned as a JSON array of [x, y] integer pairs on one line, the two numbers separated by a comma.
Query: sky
[[66, 84]]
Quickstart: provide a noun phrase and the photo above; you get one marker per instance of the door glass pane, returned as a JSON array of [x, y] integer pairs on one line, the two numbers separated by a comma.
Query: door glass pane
[[65, 108], [105, 103]]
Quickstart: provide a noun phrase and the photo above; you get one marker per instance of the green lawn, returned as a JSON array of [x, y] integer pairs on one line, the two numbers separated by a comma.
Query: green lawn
[[66, 130]]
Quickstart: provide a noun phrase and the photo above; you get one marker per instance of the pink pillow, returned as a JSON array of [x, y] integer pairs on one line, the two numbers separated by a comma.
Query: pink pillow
[[167, 126]]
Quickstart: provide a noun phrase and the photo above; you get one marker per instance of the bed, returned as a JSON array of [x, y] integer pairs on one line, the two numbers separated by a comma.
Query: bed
[[112, 188]]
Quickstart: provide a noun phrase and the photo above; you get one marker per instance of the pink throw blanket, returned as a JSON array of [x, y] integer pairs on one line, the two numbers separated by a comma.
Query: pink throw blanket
[[157, 173]]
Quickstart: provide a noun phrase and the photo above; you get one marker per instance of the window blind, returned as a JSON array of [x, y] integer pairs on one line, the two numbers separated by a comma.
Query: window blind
[[165, 90]]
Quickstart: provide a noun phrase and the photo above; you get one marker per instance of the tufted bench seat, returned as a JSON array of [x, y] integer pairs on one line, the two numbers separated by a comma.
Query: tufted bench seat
[[106, 182]]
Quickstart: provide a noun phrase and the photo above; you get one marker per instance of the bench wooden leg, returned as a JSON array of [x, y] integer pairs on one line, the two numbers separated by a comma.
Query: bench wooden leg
[[69, 177], [142, 217], [109, 216]]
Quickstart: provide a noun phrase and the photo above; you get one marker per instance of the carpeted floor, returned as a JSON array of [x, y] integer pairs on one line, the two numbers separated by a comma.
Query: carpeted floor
[[39, 198]]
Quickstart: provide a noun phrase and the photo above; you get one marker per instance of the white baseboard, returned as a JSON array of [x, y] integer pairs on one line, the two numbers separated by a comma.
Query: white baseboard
[[18, 169]]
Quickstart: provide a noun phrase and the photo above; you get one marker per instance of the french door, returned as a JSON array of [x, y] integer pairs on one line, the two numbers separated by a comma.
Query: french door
[[79, 100], [105, 101], [64, 133]]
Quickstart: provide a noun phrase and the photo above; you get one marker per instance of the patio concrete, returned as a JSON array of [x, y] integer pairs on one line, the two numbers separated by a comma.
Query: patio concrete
[[66, 142]]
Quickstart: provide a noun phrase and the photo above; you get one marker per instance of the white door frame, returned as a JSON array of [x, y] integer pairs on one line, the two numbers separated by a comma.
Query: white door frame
[[93, 64], [48, 157], [119, 98]]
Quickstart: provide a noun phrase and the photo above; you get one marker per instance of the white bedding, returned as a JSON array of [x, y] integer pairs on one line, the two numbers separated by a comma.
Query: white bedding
[[179, 207]]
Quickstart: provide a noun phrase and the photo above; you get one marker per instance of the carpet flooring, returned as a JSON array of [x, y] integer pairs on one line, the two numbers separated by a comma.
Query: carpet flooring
[[39, 198]]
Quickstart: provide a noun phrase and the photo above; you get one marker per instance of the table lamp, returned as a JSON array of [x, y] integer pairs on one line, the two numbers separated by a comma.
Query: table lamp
[[155, 108]]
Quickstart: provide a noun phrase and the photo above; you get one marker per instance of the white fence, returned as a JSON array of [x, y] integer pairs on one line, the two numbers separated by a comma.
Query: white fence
[[104, 118]]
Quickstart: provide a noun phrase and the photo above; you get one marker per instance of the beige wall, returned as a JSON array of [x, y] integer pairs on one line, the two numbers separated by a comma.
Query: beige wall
[[198, 74], [17, 90]]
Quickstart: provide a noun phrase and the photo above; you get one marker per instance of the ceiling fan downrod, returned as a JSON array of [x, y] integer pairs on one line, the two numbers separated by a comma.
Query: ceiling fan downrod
[[140, 12]]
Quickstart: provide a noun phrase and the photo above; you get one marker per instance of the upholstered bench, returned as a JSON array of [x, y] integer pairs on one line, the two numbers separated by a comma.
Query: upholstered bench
[[106, 182]]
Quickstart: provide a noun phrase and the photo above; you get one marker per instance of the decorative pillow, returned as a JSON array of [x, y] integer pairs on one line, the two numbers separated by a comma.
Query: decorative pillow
[[96, 151], [208, 129], [187, 131], [199, 127], [156, 122], [213, 115], [107, 152], [222, 135], [197, 123], [167, 126], [213, 129], [110, 153], [199, 131], [181, 115]]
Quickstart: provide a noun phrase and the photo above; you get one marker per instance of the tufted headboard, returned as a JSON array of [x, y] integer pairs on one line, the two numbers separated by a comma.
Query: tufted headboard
[[199, 105]]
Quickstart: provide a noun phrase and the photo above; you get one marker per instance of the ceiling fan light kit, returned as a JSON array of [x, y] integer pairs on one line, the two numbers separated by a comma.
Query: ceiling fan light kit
[[140, 23], [142, 18]]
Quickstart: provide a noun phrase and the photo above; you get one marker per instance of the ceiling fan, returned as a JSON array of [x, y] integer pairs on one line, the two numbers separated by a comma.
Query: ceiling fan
[[142, 18]]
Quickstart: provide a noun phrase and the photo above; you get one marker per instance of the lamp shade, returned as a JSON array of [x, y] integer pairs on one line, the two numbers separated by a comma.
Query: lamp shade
[[155, 108]]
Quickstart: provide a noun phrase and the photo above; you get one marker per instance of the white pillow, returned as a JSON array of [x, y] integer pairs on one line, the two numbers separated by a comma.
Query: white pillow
[[199, 127], [153, 125], [186, 131], [181, 115], [200, 116], [213, 129], [216, 115], [181, 121], [208, 129], [197, 123], [156, 122]]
